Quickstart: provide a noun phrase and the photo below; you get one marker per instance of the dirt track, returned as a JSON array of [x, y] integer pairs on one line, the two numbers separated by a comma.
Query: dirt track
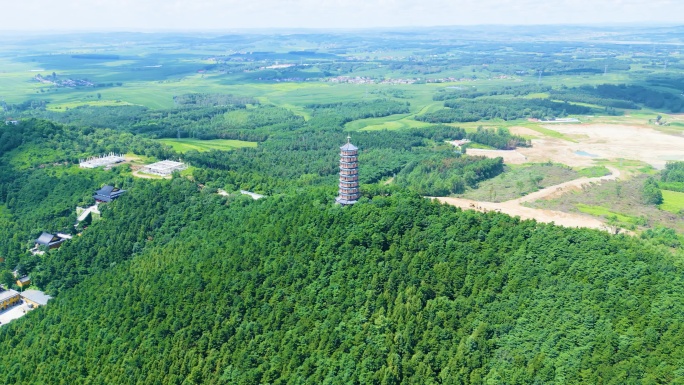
[[515, 208], [586, 143], [564, 187]]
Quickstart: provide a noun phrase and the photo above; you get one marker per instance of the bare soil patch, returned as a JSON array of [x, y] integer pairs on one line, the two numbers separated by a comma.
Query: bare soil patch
[[514, 207], [540, 215], [524, 131], [509, 156], [606, 141], [559, 203]]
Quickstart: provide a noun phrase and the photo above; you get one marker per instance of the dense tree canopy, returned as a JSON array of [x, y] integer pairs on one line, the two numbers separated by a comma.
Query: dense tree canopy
[[621, 96], [672, 177], [392, 290], [473, 110]]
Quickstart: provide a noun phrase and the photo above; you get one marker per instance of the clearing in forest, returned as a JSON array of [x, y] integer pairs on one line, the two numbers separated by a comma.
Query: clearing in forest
[[581, 145], [606, 141], [514, 207], [185, 145]]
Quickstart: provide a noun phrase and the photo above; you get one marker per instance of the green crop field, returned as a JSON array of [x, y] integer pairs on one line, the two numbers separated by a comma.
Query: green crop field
[[593, 172], [673, 201], [93, 103], [398, 121], [185, 145], [601, 211]]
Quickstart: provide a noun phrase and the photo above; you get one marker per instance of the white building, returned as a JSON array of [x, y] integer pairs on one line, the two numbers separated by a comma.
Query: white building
[[104, 160], [163, 168]]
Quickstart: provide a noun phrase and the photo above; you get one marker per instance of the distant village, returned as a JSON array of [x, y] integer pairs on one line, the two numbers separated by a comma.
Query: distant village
[[53, 80], [373, 80], [369, 80]]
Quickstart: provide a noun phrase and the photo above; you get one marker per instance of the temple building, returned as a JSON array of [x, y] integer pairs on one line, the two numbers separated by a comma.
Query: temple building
[[107, 194], [349, 174], [106, 160], [8, 298], [35, 298], [24, 281], [50, 241]]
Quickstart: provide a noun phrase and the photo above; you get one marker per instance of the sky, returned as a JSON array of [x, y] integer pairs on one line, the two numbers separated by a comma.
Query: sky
[[219, 15]]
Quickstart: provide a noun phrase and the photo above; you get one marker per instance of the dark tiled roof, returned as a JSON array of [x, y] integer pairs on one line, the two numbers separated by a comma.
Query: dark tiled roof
[[45, 239], [106, 190], [349, 147], [107, 193]]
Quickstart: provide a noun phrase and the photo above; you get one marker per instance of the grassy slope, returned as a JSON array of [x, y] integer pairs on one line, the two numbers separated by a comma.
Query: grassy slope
[[673, 201], [519, 180], [620, 198], [185, 145]]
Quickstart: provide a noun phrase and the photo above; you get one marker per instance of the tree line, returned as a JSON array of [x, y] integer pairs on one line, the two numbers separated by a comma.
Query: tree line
[[473, 110], [621, 96]]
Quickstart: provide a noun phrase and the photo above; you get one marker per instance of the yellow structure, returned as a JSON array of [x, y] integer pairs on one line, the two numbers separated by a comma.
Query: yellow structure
[[8, 298], [35, 298], [23, 282]]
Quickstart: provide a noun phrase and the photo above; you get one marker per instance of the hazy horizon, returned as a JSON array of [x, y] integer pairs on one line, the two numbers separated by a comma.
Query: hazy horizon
[[217, 15]]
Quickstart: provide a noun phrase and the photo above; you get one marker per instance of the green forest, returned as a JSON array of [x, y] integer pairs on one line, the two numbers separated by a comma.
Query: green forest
[[178, 284], [473, 110], [395, 289], [41, 184], [621, 96]]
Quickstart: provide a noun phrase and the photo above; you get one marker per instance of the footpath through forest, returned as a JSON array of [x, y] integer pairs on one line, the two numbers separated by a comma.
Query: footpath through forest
[[514, 207]]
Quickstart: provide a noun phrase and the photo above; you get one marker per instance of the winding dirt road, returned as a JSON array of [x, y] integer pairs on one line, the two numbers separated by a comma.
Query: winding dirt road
[[515, 208]]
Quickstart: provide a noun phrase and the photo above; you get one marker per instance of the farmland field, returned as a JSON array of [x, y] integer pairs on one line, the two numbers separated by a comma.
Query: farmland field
[[185, 145]]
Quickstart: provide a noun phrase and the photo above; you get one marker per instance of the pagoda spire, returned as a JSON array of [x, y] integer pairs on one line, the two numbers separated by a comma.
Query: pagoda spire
[[349, 174]]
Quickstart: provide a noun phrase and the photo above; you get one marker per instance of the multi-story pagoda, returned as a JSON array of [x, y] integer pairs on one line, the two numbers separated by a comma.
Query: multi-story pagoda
[[349, 174]]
